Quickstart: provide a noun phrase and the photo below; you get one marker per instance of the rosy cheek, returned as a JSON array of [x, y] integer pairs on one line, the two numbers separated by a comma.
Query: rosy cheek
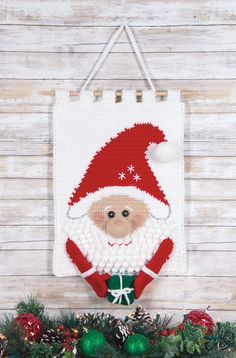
[[137, 220], [98, 217]]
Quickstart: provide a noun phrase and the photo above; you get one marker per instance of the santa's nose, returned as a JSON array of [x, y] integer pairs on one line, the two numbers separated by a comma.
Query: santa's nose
[[118, 221]]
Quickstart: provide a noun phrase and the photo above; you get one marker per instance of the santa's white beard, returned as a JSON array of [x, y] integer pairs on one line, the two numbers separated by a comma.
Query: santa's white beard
[[117, 256]]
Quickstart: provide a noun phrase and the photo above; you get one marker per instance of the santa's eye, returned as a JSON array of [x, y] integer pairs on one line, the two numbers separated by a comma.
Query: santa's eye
[[125, 213], [111, 214]]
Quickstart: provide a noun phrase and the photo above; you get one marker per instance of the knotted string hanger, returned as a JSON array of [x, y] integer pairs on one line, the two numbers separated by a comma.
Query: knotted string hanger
[[108, 48]]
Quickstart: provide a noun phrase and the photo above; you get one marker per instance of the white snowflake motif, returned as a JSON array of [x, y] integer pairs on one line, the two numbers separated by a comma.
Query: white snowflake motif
[[121, 176], [136, 177], [130, 168]]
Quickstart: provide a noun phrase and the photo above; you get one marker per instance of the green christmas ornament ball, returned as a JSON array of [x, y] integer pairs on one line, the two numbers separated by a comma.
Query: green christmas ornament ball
[[136, 344], [91, 342]]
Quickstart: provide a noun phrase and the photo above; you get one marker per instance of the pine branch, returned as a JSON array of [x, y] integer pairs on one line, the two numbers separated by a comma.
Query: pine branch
[[40, 350], [56, 342], [15, 337], [164, 323], [68, 319], [30, 305]]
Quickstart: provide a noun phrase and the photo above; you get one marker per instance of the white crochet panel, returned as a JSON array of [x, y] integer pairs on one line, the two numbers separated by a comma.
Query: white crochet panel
[[94, 180]]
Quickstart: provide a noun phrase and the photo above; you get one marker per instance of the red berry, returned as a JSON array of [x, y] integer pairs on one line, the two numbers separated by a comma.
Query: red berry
[[164, 332], [67, 344], [172, 332], [68, 347], [61, 327], [67, 333], [180, 326]]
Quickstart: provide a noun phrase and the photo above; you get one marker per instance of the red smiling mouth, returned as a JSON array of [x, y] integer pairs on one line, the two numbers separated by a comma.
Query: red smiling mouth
[[120, 244]]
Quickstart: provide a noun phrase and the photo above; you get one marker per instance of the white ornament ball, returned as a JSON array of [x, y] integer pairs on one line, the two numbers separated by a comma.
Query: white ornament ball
[[165, 152]]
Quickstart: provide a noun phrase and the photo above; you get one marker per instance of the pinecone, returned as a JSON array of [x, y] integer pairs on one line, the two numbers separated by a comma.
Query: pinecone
[[140, 314], [53, 336], [120, 332]]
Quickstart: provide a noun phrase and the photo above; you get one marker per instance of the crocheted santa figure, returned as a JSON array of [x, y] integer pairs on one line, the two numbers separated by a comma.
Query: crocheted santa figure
[[117, 234]]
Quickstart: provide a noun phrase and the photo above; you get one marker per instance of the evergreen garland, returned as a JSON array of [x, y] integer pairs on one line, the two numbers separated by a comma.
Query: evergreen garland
[[103, 335]]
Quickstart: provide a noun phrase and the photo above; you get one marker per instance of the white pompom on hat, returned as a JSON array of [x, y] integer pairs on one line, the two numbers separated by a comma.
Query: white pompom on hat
[[165, 152]]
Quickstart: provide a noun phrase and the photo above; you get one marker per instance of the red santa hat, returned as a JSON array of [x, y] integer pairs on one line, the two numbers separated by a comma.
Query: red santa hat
[[121, 167]]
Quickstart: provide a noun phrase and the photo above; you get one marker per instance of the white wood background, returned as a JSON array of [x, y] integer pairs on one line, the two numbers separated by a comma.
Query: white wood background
[[51, 44]]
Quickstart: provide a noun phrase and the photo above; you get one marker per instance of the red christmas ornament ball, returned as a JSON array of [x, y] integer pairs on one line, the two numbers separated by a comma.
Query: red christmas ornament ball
[[201, 318], [31, 325], [172, 332]]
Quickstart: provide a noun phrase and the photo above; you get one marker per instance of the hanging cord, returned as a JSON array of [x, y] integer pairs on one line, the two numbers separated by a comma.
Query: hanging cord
[[108, 48], [139, 56], [102, 57]]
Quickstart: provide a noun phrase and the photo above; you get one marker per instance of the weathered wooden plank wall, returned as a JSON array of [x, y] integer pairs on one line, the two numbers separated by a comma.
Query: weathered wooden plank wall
[[52, 44]]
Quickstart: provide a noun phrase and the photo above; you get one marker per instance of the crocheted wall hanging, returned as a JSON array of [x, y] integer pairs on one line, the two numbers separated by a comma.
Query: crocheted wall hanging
[[118, 187]]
